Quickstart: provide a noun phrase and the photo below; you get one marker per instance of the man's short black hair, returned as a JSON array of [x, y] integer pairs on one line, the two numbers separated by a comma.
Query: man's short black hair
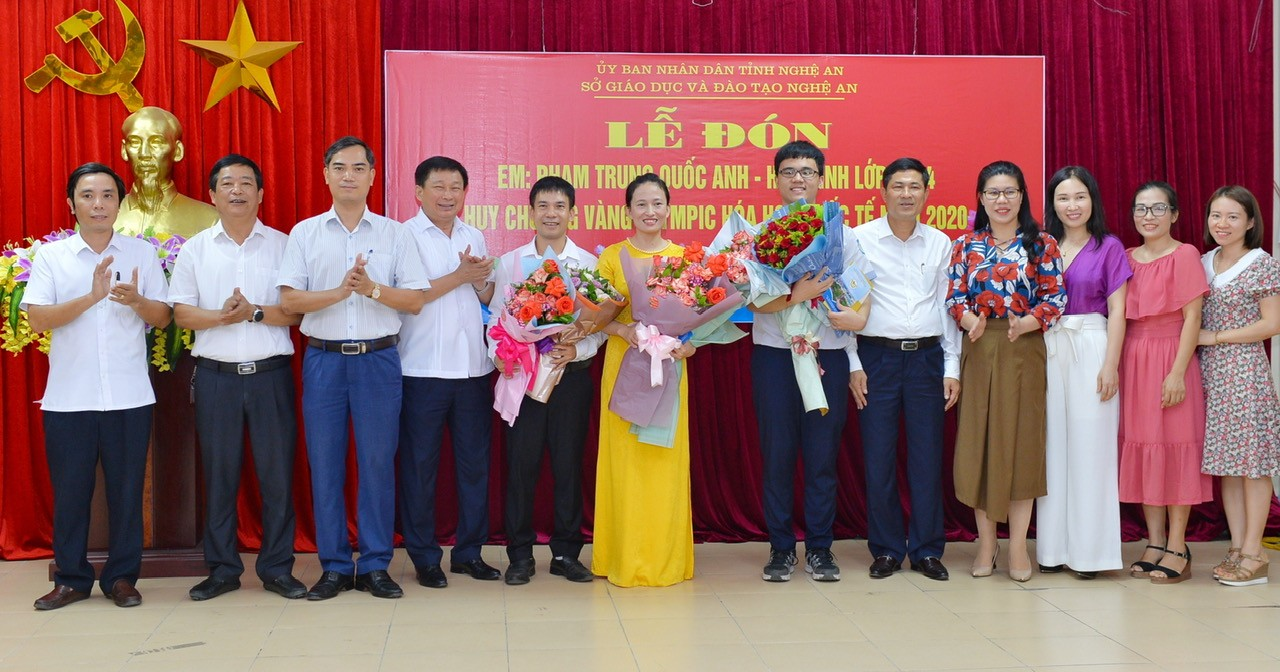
[[93, 168], [442, 164], [345, 142], [800, 149], [552, 184], [903, 165], [233, 160]]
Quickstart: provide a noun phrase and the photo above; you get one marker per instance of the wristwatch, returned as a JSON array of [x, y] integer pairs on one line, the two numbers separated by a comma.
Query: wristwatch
[[377, 291], [258, 315]]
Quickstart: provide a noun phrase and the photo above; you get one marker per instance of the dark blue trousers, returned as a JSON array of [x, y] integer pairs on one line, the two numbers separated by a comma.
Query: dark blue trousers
[[788, 433], [74, 443], [465, 405], [365, 388], [903, 386]]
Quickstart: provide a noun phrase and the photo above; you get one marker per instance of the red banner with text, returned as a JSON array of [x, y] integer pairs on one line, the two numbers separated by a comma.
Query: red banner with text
[[707, 124]]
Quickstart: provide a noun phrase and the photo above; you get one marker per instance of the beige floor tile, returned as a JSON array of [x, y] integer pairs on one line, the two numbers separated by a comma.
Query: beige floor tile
[[182, 647], [426, 638], [145, 664], [894, 602], [954, 654], [618, 659], [694, 586], [1203, 592], [588, 608], [1206, 647], [1230, 620], [1120, 625], [105, 651], [787, 629], [214, 617], [701, 658], [1029, 624], [778, 605], [837, 656], [1134, 667], [1253, 666], [338, 612], [450, 610], [319, 663], [984, 601], [682, 632], [724, 584], [1096, 650], [912, 626], [24, 623], [523, 636], [461, 661], [1265, 641], [1116, 598], [675, 606], [355, 640], [72, 621]]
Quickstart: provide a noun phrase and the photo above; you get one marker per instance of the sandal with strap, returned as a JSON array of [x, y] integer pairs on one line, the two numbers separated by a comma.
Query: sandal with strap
[[1144, 567], [1228, 564], [1171, 576], [1239, 576]]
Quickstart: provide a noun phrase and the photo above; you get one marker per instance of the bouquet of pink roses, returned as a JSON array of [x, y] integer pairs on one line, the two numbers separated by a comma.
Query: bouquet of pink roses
[[534, 310], [598, 303]]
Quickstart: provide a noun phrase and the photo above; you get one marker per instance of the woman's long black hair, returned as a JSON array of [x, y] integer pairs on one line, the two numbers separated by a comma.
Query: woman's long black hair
[[1097, 224]]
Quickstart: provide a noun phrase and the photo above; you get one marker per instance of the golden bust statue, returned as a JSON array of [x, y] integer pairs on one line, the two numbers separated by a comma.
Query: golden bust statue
[[152, 144]]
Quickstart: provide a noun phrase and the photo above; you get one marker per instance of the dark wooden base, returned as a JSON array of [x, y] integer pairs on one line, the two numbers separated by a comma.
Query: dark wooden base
[[156, 563]]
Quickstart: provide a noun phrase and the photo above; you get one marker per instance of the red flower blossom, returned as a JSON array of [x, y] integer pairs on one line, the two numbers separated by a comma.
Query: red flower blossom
[[716, 295], [1004, 272]]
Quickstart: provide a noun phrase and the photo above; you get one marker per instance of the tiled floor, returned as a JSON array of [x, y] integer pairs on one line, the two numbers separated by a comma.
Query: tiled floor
[[725, 619]]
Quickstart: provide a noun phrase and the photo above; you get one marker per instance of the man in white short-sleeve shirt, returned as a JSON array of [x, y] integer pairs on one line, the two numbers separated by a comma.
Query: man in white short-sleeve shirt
[[224, 288], [96, 291]]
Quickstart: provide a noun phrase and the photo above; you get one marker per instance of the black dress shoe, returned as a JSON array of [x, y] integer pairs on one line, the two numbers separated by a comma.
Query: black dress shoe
[[1051, 569], [60, 597], [379, 584], [1086, 576], [477, 569], [572, 570], [884, 566], [432, 576], [287, 587], [213, 587], [931, 567], [124, 594], [329, 585], [519, 572]]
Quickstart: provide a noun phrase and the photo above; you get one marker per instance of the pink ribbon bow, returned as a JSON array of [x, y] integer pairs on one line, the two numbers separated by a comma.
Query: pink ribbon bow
[[511, 352], [658, 347], [804, 345]]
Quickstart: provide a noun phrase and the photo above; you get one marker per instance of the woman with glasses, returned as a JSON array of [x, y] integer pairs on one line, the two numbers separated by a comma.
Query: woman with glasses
[[1242, 430], [1005, 291], [1078, 521], [1161, 397]]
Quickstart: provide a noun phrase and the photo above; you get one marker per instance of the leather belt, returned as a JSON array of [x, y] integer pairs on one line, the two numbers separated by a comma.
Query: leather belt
[[354, 347], [245, 368], [903, 344]]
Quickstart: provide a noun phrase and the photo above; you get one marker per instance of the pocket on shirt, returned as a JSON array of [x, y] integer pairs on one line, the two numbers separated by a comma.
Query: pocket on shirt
[[379, 267], [260, 285]]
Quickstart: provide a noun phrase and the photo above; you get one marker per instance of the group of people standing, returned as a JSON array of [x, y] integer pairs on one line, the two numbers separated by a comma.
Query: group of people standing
[[1048, 332]]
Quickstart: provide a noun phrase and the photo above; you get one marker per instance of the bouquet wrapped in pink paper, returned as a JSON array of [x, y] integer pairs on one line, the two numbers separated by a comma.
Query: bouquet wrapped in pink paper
[[534, 310], [598, 303], [670, 299]]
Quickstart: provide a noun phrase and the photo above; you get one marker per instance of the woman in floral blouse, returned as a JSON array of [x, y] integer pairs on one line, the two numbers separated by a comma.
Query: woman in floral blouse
[[1006, 290]]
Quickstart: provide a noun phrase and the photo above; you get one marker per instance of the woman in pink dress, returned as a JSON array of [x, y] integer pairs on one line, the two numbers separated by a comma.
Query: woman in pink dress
[[1161, 395], [1242, 430]]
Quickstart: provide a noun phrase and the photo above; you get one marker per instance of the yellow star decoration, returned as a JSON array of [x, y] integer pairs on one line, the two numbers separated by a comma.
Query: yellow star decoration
[[241, 61]]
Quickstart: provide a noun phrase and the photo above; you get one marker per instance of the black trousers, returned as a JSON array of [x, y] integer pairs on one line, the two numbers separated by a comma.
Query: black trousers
[[74, 443], [559, 426], [225, 403]]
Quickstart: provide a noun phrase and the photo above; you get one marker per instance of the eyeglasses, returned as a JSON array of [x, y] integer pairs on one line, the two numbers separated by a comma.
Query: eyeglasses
[[993, 195], [900, 189], [806, 173], [1158, 210]]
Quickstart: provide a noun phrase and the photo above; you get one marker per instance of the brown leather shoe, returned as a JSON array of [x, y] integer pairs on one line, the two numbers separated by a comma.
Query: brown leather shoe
[[59, 597], [124, 594]]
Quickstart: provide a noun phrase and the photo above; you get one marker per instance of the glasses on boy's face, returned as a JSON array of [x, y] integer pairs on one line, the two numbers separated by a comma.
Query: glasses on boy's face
[[1158, 210], [993, 195], [806, 173]]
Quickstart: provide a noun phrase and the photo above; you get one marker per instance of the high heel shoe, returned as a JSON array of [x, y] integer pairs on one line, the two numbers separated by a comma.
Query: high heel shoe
[[1228, 564], [979, 571], [1171, 576], [1239, 576], [1020, 575], [1140, 568]]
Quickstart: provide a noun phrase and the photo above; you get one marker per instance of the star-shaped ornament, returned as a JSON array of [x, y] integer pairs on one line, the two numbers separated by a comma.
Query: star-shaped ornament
[[241, 61]]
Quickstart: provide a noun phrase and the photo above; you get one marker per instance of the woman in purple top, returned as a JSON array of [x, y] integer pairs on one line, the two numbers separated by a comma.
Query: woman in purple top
[[1078, 521]]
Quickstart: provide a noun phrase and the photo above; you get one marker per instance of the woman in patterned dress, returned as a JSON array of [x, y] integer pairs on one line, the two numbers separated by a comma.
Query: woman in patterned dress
[[1161, 394], [1242, 428], [1005, 291]]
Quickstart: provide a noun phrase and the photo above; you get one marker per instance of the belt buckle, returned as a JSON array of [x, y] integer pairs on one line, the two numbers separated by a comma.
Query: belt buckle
[[352, 348], [247, 368], [909, 346]]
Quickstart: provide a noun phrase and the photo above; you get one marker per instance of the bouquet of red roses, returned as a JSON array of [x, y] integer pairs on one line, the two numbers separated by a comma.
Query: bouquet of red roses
[[598, 303], [534, 310]]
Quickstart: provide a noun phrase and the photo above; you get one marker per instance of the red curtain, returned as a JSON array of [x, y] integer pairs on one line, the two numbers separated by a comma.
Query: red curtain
[[1136, 90]]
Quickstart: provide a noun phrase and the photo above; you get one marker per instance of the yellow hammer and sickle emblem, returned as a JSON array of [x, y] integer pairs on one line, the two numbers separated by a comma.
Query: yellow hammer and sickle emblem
[[114, 76]]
